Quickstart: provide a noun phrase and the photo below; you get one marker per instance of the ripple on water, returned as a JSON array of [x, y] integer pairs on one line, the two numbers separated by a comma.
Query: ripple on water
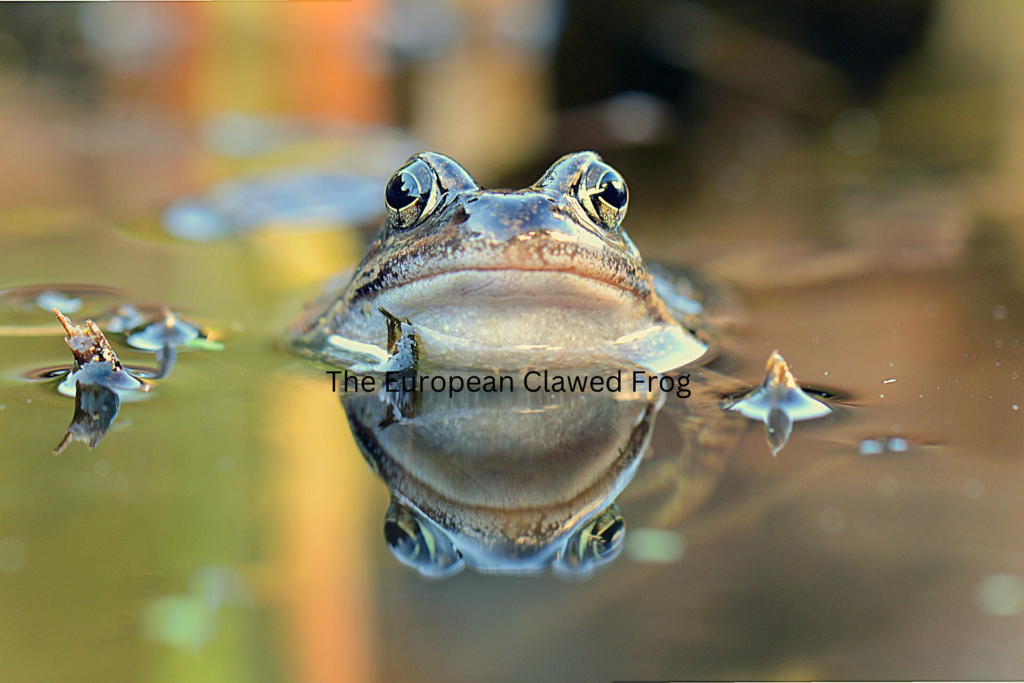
[[779, 401], [31, 305]]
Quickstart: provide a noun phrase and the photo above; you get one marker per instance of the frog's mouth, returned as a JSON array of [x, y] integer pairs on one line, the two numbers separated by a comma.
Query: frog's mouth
[[487, 306], [514, 287], [571, 272], [501, 307]]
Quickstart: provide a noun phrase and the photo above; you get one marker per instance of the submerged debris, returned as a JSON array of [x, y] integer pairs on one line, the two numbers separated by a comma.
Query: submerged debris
[[98, 375], [779, 402]]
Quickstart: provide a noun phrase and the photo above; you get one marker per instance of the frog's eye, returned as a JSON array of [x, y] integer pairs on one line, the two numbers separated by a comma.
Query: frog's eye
[[604, 195], [596, 543], [411, 194], [419, 543]]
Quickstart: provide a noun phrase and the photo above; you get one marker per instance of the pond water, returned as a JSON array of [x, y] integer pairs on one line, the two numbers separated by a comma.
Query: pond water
[[228, 529]]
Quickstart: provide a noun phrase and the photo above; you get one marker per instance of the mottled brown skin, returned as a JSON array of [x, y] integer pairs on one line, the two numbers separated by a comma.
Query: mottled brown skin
[[535, 255]]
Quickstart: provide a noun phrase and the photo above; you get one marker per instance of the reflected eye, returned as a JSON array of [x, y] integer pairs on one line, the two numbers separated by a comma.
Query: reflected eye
[[593, 545], [604, 195], [419, 543], [410, 194]]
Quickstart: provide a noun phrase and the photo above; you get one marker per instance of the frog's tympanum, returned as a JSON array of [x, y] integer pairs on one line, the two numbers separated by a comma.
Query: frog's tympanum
[[500, 279]]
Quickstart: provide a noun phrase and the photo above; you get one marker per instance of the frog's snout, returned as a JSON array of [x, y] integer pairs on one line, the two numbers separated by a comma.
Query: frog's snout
[[514, 217]]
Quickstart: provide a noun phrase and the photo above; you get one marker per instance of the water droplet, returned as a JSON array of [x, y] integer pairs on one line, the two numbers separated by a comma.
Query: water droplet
[[777, 428], [102, 467], [999, 312], [225, 463]]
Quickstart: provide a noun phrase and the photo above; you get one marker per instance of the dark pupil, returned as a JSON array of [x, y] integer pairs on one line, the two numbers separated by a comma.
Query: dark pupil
[[613, 193], [402, 191]]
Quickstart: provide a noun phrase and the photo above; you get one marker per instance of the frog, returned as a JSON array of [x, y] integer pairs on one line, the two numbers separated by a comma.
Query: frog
[[473, 280], [504, 279]]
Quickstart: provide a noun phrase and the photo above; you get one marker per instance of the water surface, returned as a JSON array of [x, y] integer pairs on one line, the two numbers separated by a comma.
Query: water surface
[[227, 527]]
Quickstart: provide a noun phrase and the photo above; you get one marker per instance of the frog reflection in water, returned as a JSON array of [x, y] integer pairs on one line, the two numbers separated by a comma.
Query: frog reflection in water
[[544, 276], [516, 482], [463, 278]]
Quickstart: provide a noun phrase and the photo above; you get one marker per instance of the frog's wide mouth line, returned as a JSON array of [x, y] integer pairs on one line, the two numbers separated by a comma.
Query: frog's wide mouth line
[[471, 286]]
